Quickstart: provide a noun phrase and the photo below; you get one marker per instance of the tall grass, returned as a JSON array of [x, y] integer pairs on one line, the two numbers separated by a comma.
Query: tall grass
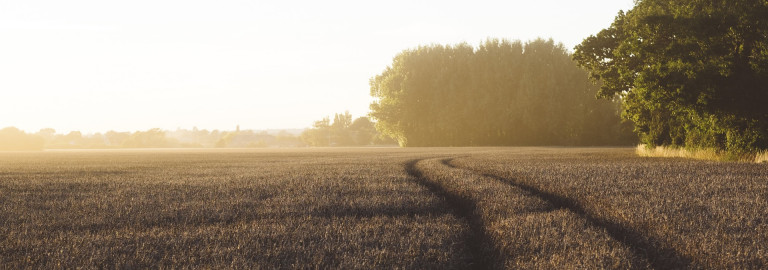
[[699, 153], [761, 157]]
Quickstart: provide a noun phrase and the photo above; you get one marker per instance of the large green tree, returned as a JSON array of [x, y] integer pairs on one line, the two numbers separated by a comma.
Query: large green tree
[[690, 73], [498, 93]]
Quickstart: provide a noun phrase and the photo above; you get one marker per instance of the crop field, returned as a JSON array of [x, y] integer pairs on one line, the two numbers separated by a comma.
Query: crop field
[[414, 208]]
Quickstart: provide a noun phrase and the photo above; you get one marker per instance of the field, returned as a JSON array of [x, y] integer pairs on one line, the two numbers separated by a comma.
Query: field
[[444, 208]]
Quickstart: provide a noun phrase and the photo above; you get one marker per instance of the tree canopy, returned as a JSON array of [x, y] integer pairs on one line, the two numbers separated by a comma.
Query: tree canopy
[[689, 73], [500, 93]]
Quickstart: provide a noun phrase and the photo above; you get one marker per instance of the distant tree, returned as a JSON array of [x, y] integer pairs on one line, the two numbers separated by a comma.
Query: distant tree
[[343, 131], [153, 138], [48, 134], [96, 140], [74, 138], [225, 140], [363, 131], [13, 139], [115, 138], [500, 93], [340, 133], [286, 139], [246, 139], [319, 134], [689, 73]]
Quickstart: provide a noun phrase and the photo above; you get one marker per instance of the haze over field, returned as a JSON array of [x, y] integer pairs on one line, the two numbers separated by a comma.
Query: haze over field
[[95, 66]]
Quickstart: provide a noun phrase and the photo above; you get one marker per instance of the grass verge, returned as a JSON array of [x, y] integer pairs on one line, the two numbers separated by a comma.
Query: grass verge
[[761, 157], [699, 153]]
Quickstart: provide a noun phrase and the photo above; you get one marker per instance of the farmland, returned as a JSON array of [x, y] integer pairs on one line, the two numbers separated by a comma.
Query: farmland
[[380, 207]]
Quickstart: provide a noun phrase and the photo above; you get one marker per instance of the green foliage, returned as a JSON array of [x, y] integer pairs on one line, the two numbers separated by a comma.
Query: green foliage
[[500, 93], [689, 73]]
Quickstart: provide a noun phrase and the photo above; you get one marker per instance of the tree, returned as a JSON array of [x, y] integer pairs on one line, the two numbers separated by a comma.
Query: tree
[[343, 131], [363, 131], [500, 93], [115, 139], [340, 134], [47, 133], [319, 134], [152, 138], [13, 139], [689, 73], [286, 139]]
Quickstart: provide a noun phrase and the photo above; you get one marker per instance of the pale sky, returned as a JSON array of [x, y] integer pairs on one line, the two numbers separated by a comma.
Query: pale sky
[[103, 65]]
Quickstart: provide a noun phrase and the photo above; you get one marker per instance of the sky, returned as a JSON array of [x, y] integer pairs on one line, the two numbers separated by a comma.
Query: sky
[[98, 65]]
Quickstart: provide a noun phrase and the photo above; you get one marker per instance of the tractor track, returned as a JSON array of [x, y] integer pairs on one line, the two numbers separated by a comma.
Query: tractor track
[[480, 248], [658, 255]]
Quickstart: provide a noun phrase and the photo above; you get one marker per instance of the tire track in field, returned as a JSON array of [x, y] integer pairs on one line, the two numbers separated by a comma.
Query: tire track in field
[[477, 239], [659, 256]]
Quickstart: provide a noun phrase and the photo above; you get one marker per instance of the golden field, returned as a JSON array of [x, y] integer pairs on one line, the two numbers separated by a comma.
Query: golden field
[[380, 207]]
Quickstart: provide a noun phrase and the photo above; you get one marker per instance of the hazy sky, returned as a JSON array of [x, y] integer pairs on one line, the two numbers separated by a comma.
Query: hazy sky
[[133, 65]]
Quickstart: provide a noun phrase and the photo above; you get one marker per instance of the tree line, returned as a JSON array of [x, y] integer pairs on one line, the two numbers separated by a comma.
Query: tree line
[[343, 131], [689, 73], [13, 139], [499, 93]]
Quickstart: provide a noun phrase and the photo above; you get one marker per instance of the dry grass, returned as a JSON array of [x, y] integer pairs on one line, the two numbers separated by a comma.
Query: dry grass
[[761, 157], [380, 208], [671, 152], [701, 154]]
